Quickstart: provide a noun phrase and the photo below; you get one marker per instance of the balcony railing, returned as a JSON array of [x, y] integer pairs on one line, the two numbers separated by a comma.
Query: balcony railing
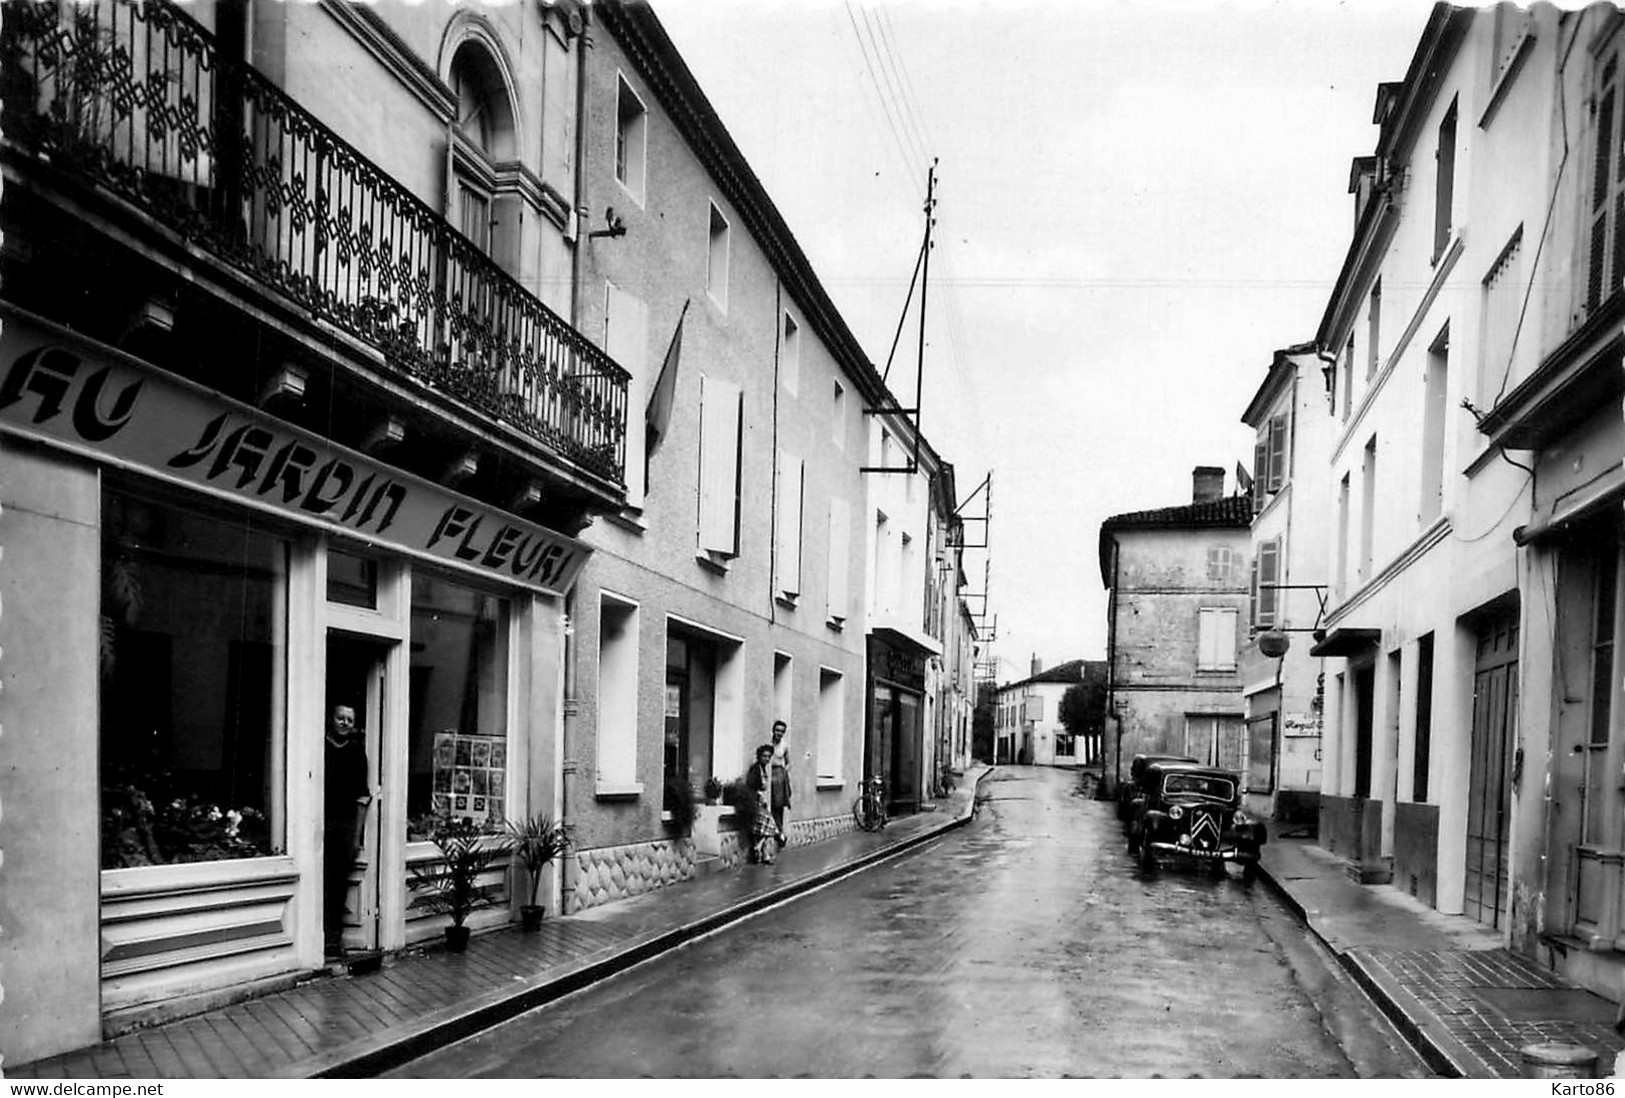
[[137, 98]]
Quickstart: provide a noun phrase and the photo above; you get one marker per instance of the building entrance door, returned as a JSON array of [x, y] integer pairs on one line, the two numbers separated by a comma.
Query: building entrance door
[[1495, 709], [356, 688]]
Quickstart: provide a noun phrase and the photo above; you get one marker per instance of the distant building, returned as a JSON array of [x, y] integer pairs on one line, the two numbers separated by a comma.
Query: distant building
[[1176, 613], [1033, 706]]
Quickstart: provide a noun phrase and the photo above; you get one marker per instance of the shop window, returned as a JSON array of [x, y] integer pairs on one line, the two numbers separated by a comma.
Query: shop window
[[352, 580], [192, 678], [457, 724]]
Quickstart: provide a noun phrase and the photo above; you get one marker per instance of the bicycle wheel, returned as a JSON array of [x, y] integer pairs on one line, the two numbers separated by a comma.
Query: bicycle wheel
[[863, 813]]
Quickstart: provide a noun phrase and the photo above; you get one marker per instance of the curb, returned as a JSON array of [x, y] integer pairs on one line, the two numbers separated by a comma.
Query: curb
[[1426, 1045], [393, 1050]]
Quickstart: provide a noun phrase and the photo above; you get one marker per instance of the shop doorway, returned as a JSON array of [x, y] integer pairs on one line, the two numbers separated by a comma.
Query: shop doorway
[[356, 683]]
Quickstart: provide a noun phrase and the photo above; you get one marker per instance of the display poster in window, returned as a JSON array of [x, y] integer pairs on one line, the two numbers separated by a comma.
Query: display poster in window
[[470, 777]]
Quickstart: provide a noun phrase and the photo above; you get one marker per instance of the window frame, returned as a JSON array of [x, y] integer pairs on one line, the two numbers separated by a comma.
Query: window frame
[[718, 258], [623, 159]]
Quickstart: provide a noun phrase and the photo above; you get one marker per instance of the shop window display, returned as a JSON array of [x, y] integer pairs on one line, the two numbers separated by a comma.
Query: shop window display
[[192, 670], [458, 724]]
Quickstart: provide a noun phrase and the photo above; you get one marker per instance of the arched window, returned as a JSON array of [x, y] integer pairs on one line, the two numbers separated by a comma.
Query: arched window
[[485, 124]]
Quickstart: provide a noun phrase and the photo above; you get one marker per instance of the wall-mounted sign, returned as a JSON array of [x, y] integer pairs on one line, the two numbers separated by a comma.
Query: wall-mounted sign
[[63, 389]]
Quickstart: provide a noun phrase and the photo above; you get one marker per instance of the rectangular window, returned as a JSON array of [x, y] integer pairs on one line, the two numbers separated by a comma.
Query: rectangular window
[[905, 572], [1606, 216], [631, 139], [783, 688], [1373, 320], [1035, 707], [457, 719], [787, 522], [837, 597], [1501, 300], [1261, 468], [831, 723], [1221, 563], [617, 694], [474, 214], [716, 263], [1444, 183], [790, 356], [881, 567], [837, 417], [1343, 534], [193, 682], [1269, 568], [626, 340], [1368, 508], [1424, 719], [1434, 409], [721, 420], [1216, 639]]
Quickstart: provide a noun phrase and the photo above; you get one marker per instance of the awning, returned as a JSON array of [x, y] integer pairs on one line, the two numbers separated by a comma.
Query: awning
[[1606, 491], [1346, 641], [919, 644]]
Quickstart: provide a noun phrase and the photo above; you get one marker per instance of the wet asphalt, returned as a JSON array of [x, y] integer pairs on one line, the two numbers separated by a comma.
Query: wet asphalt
[[1026, 944]]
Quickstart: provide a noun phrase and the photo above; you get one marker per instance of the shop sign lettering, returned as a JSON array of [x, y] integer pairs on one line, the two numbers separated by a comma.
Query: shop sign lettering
[[60, 388]]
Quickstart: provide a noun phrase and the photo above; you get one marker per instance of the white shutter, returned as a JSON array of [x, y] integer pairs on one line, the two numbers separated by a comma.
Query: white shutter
[[1224, 640], [840, 521], [1269, 556], [787, 555], [720, 405], [626, 340], [1206, 636]]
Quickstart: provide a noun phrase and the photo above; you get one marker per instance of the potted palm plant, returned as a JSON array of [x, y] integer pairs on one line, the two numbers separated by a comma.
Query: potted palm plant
[[452, 884], [536, 842]]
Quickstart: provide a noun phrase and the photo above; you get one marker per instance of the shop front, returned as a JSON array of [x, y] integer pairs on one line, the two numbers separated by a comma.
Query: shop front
[[206, 598], [894, 745]]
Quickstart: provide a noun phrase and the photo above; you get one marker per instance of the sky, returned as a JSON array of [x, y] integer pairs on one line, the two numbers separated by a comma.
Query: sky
[[1137, 203]]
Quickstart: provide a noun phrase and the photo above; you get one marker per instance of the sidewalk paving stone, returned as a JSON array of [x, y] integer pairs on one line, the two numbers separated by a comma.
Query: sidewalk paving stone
[[346, 1026], [1465, 1002]]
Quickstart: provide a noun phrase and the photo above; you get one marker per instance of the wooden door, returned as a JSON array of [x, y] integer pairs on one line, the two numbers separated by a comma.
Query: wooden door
[[1495, 708]]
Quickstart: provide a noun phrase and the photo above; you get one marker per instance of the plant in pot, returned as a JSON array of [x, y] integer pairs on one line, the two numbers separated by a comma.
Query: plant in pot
[[536, 842], [452, 885], [679, 802]]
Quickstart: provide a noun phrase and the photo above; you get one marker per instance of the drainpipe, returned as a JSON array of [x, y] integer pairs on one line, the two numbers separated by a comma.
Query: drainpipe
[[580, 189]]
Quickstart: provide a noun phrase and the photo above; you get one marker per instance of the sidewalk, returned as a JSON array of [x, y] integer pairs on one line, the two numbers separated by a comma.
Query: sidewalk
[[1468, 1005], [362, 1025]]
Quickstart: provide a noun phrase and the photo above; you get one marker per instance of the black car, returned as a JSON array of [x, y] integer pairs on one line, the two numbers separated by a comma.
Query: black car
[[1129, 790], [1193, 812]]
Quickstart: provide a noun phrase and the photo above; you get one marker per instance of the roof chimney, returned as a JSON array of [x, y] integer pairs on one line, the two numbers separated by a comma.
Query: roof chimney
[[1038, 664], [1207, 483]]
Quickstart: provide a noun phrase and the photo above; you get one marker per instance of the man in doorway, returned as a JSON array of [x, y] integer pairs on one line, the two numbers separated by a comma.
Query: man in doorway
[[781, 778], [349, 792]]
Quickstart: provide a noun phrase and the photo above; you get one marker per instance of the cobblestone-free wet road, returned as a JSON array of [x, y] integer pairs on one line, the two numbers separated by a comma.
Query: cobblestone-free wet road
[[1025, 944]]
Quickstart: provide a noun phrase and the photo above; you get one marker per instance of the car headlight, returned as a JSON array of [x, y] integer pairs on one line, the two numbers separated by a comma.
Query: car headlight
[[1241, 819], [1176, 813]]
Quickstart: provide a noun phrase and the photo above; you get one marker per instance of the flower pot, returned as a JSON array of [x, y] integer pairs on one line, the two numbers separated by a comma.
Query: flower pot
[[530, 916], [457, 938]]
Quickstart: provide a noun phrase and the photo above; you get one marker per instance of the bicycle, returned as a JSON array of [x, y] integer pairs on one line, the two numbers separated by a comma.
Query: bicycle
[[869, 810]]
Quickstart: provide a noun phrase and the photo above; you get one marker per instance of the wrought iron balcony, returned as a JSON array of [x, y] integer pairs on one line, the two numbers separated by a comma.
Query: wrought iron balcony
[[136, 97]]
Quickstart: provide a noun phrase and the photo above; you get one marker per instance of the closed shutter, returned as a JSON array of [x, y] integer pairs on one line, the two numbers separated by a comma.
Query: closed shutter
[[626, 340], [1261, 471], [1277, 452], [840, 521], [1269, 559], [787, 556], [721, 408], [1607, 196], [1207, 640]]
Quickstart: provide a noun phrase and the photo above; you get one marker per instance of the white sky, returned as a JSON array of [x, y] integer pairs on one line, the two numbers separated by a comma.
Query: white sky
[[1138, 202]]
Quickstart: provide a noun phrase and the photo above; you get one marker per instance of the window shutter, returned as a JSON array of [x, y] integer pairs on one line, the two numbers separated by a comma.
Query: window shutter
[[1269, 557], [787, 554], [840, 518], [1253, 610], [1224, 639], [1206, 640], [720, 408], [1261, 472], [1277, 452]]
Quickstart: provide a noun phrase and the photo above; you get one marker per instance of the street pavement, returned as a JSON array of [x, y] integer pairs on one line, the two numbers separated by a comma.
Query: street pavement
[[1028, 945], [1468, 1005]]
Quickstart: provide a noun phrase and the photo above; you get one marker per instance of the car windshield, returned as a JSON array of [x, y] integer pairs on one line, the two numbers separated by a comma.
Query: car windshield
[[1221, 788]]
